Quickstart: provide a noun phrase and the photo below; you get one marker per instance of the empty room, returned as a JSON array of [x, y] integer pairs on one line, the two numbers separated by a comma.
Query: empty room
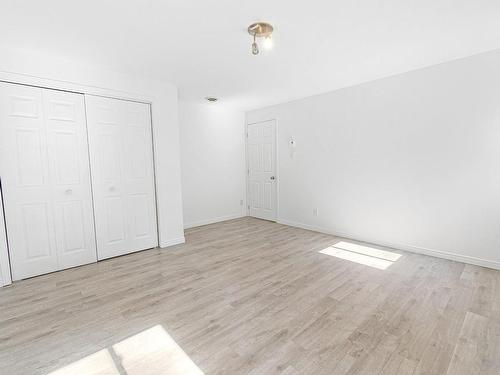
[[262, 187]]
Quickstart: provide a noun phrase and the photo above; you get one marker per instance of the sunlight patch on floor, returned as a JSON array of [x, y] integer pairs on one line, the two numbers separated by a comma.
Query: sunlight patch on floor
[[97, 363], [152, 351], [362, 254]]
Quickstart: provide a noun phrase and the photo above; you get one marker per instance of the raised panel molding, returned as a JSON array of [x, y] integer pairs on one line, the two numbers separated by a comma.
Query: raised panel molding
[[35, 220], [67, 158], [109, 157], [30, 171], [62, 111], [138, 155], [74, 228], [267, 131], [255, 194], [142, 216], [267, 156], [115, 221], [267, 196], [137, 117], [23, 107], [106, 115]]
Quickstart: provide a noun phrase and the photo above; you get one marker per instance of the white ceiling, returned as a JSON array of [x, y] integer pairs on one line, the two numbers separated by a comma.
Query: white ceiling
[[202, 45]]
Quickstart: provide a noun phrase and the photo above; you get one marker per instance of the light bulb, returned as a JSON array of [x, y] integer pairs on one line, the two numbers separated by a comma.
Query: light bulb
[[255, 48], [268, 42]]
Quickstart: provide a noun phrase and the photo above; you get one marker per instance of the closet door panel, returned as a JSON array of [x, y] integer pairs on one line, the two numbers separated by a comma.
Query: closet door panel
[[139, 174], [122, 175], [45, 180], [106, 150], [26, 188], [70, 175]]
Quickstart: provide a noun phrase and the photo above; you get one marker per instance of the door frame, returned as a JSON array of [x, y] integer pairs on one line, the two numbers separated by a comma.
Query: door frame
[[5, 272], [276, 158], [51, 84]]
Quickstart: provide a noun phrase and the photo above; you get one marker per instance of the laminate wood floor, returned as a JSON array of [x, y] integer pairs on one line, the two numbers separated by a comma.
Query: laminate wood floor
[[252, 297]]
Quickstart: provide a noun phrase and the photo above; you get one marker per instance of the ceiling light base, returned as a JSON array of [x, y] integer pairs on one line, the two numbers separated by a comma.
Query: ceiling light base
[[260, 29]]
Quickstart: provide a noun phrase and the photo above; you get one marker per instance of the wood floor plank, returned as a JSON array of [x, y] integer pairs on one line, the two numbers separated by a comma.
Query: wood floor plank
[[248, 296], [471, 346]]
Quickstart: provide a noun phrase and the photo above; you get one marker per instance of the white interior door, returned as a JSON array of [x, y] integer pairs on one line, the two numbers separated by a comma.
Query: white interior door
[[121, 155], [45, 180], [261, 151]]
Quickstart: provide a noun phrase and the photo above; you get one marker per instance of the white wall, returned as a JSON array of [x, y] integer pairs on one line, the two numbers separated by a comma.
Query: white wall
[[411, 161], [50, 71], [213, 162]]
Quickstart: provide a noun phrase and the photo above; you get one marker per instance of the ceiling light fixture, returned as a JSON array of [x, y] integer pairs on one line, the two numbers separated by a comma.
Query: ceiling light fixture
[[211, 99], [261, 30]]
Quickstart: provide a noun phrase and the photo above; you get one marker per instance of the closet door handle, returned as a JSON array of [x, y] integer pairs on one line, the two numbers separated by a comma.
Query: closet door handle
[[69, 191], [111, 188]]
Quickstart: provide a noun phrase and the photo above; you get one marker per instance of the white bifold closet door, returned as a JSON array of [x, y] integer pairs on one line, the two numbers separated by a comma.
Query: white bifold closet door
[[121, 155], [44, 171]]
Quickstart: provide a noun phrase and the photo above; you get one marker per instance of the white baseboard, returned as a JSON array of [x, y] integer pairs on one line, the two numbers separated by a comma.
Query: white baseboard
[[212, 220], [172, 242], [410, 248]]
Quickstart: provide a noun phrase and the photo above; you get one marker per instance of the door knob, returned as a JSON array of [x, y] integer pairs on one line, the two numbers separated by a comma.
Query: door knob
[[111, 188], [69, 191], [273, 178]]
